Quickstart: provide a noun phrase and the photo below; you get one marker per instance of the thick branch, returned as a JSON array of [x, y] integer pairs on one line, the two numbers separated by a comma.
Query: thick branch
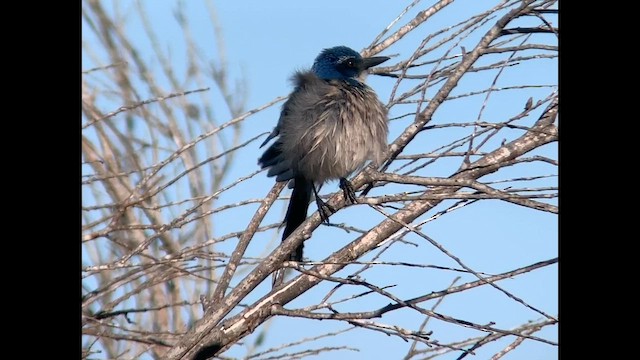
[[218, 337]]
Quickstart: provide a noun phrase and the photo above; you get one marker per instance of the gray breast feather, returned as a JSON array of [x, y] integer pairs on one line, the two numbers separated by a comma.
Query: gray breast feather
[[331, 128]]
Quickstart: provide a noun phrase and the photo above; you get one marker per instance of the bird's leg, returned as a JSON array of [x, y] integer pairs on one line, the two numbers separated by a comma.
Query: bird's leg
[[323, 208], [347, 189]]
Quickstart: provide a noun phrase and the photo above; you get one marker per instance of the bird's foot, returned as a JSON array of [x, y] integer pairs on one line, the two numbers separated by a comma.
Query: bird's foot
[[347, 189], [324, 209]]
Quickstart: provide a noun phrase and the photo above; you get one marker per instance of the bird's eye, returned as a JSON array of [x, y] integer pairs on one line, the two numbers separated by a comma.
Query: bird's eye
[[350, 63]]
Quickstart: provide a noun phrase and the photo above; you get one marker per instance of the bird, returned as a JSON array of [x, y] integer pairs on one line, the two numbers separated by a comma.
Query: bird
[[331, 125]]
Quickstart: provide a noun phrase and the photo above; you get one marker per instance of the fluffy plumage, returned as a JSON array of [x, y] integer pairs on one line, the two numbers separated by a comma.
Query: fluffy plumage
[[331, 125]]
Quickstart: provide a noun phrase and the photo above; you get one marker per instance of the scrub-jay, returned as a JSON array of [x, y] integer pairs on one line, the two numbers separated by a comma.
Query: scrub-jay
[[331, 125]]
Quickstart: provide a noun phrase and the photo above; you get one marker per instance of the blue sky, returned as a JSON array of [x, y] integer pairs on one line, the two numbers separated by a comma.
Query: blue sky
[[265, 42]]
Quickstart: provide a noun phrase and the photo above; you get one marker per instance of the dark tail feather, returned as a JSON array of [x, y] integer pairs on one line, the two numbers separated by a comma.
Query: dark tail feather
[[297, 211]]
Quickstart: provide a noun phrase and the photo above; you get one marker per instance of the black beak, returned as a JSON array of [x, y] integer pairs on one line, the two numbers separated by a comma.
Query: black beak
[[373, 61]]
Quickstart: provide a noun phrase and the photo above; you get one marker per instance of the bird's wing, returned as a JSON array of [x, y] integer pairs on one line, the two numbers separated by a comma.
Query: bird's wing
[[283, 113], [274, 133], [276, 157]]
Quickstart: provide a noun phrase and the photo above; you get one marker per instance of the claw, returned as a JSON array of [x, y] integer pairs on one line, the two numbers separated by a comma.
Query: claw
[[347, 189], [325, 210]]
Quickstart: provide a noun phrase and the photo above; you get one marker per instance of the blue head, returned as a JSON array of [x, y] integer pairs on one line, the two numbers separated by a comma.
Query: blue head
[[343, 63]]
